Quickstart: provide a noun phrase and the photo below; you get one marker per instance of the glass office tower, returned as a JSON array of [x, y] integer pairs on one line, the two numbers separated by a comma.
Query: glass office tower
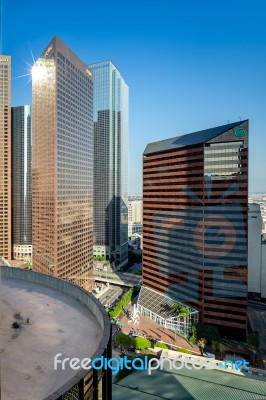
[[195, 204], [62, 165], [5, 157], [110, 115], [21, 182]]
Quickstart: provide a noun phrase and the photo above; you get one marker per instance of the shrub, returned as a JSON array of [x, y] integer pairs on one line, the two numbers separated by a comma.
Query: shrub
[[161, 345], [99, 258], [123, 340], [208, 332], [254, 340], [122, 303], [128, 296], [115, 311], [149, 353], [140, 343], [182, 350]]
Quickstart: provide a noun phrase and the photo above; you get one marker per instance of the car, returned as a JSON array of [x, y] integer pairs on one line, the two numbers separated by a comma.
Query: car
[[209, 355]]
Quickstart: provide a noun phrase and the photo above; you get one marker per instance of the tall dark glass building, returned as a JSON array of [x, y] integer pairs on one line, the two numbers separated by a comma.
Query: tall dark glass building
[[195, 204], [62, 165], [110, 115], [21, 182]]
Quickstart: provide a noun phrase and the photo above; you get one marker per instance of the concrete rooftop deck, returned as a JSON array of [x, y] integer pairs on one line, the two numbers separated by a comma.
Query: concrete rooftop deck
[[58, 324]]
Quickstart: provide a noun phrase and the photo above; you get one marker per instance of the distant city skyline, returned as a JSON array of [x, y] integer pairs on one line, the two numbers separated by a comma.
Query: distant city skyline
[[189, 65]]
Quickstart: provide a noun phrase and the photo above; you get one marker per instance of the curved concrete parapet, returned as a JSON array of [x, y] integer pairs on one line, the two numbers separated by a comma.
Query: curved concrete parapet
[[55, 316]]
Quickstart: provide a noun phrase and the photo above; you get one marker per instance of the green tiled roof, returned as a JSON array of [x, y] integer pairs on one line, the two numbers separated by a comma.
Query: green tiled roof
[[126, 393], [186, 384]]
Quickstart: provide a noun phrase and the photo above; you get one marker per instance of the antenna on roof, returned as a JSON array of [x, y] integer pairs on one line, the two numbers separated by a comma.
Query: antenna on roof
[[228, 121], [239, 118]]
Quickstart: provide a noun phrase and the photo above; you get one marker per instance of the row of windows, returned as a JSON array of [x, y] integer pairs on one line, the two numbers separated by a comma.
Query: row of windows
[[224, 158], [222, 166], [226, 144]]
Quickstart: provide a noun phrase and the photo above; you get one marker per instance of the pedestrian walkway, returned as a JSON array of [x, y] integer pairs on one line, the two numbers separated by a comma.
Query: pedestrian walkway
[[150, 329]]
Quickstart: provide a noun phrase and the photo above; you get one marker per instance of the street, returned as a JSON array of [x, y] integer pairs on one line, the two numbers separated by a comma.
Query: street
[[257, 318]]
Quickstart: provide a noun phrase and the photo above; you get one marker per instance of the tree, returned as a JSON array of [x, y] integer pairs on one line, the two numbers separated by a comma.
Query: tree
[[180, 309], [117, 309], [140, 343], [202, 344], [209, 332], [254, 340], [222, 348], [161, 345], [99, 258], [254, 343], [182, 350], [214, 345], [123, 340]]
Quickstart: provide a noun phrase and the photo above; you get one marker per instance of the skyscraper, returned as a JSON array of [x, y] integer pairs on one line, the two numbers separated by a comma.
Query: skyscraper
[[135, 211], [134, 217], [195, 204], [110, 116], [5, 157], [21, 182], [62, 165], [256, 253]]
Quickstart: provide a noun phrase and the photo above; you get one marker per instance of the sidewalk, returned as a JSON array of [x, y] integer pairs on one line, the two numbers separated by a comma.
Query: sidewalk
[[150, 329]]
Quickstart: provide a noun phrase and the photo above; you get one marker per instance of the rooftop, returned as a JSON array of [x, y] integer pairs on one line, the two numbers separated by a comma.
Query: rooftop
[[51, 320], [186, 384], [189, 139], [157, 302]]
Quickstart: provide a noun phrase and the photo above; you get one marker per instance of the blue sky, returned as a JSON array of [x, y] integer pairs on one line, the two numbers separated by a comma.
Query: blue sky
[[190, 64]]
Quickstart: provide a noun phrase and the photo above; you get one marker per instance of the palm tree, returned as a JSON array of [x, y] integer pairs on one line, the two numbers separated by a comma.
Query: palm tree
[[222, 348], [254, 343], [180, 309], [214, 345]]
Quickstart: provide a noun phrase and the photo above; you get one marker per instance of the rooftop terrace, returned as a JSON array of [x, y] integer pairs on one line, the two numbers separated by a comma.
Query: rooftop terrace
[[54, 316]]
